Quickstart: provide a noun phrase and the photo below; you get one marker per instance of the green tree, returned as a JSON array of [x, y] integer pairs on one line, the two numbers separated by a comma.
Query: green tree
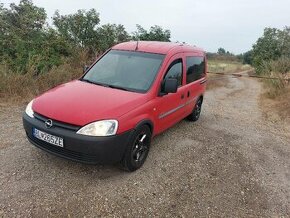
[[247, 57], [221, 51], [155, 33], [272, 45], [79, 28], [27, 44], [111, 34], [20, 33]]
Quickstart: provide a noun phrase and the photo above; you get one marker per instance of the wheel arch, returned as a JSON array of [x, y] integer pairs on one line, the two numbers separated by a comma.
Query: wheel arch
[[147, 122], [201, 97]]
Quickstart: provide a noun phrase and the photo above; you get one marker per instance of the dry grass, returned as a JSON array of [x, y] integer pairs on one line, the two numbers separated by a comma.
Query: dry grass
[[228, 67], [17, 88], [277, 87], [276, 99], [277, 108], [278, 69]]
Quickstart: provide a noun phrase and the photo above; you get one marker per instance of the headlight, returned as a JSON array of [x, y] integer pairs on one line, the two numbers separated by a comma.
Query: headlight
[[29, 110], [100, 128]]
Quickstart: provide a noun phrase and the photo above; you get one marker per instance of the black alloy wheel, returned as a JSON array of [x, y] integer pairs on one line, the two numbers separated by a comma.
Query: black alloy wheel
[[138, 149], [194, 116]]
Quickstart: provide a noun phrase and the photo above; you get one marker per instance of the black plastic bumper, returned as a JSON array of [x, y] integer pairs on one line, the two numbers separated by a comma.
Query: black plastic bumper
[[86, 149]]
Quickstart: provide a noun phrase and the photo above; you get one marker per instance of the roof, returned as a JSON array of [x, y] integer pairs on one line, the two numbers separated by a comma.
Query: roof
[[156, 47]]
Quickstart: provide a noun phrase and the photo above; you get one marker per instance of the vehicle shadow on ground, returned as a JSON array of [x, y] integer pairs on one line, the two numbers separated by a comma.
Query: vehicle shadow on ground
[[52, 164], [44, 159]]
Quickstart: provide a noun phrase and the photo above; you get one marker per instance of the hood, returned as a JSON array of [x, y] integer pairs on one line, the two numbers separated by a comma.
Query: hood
[[80, 103]]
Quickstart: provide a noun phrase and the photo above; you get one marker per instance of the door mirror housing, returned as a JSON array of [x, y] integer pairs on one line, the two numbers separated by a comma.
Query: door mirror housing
[[169, 85], [85, 69]]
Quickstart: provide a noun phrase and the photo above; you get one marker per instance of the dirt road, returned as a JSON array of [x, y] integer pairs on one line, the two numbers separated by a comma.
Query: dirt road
[[231, 163]]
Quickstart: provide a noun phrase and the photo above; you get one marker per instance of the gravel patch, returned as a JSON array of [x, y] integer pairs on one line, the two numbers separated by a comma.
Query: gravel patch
[[231, 163]]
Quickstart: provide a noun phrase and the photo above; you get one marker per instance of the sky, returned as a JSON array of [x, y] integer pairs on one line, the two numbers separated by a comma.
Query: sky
[[232, 24]]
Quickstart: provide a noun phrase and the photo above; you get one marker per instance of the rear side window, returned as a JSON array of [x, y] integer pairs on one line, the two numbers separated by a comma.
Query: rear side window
[[195, 67], [175, 71]]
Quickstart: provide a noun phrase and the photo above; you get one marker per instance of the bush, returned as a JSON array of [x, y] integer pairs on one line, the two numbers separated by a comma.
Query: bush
[[19, 87], [271, 57], [273, 45], [280, 69]]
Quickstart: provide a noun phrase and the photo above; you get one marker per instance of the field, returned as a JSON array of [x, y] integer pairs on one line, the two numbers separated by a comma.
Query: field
[[227, 67]]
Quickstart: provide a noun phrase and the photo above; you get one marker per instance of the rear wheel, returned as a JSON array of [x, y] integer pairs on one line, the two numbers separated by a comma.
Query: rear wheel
[[194, 116], [138, 149]]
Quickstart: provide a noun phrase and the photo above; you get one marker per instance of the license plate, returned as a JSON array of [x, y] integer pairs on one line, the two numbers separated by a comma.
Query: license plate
[[54, 140]]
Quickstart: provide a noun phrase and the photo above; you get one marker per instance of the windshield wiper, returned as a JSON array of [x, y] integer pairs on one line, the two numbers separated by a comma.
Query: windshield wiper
[[96, 83], [86, 80], [106, 85], [118, 87]]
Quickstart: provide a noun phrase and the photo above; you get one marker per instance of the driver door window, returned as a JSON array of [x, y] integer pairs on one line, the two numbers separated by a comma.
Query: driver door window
[[175, 71]]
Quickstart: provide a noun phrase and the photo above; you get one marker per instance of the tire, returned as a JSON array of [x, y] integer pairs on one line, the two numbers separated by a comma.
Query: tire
[[194, 116], [138, 149]]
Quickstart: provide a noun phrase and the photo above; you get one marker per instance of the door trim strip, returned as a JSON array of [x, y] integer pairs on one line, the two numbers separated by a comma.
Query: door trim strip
[[190, 101], [171, 111], [176, 109], [203, 81]]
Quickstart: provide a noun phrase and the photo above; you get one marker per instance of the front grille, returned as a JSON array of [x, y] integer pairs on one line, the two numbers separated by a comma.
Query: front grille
[[57, 123], [64, 152]]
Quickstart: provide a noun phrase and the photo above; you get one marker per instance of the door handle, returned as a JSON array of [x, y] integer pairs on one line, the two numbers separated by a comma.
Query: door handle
[[188, 93], [182, 96], [203, 81]]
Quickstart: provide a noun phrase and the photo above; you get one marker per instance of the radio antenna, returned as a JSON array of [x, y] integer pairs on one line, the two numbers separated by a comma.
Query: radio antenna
[[137, 44]]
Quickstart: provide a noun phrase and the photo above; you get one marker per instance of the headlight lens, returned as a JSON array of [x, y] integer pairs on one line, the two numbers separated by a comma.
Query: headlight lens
[[29, 110], [100, 128]]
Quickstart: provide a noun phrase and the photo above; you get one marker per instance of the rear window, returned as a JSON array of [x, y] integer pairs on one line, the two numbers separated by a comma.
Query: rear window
[[195, 68]]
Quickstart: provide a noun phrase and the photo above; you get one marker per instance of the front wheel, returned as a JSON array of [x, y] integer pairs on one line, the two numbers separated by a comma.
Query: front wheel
[[138, 149], [194, 116]]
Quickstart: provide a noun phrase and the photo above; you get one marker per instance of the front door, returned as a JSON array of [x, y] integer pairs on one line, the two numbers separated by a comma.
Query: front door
[[171, 107]]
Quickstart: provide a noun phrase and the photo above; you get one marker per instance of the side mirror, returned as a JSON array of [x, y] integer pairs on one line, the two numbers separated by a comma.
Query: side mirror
[[86, 67], [169, 86]]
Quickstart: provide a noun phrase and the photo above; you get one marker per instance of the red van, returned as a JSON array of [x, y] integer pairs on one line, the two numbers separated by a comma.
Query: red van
[[133, 92]]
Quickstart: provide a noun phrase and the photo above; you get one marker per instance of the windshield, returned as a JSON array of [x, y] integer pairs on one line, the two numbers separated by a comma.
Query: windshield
[[127, 70]]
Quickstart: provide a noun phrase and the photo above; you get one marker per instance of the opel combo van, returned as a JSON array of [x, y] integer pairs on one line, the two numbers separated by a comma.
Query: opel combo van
[[133, 92]]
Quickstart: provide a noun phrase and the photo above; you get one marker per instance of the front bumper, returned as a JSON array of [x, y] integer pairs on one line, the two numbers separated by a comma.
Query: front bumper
[[85, 149]]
